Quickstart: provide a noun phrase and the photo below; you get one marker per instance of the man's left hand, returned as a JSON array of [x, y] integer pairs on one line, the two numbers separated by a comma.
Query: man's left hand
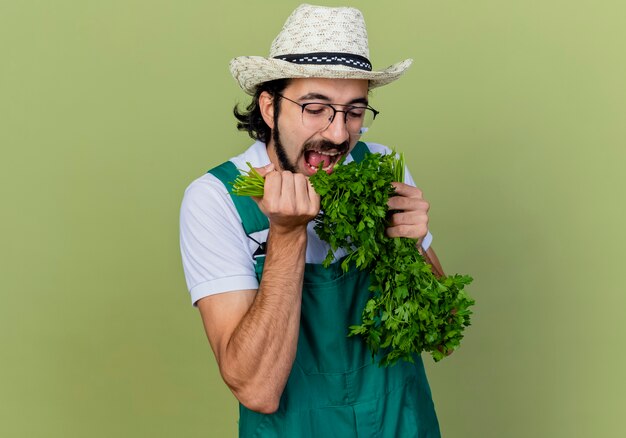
[[411, 220]]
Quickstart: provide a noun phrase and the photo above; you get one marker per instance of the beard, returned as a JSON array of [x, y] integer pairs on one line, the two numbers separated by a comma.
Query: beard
[[281, 153], [317, 145]]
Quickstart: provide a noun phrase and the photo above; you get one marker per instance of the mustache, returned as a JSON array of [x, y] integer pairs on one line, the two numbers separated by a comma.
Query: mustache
[[325, 145]]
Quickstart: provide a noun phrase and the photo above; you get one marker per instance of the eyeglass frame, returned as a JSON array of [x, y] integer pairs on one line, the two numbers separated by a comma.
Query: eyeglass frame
[[335, 110]]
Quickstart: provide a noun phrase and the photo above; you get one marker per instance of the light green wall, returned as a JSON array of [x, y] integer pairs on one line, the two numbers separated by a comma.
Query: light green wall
[[513, 119]]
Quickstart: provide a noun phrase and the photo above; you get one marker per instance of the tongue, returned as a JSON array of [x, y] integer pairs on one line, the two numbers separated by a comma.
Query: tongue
[[315, 158]]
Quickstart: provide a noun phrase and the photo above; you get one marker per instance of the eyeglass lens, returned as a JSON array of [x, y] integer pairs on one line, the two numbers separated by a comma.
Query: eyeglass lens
[[317, 116]]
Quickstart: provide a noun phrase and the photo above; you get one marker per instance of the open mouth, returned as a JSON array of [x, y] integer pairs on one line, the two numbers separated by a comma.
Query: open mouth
[[327, 159]]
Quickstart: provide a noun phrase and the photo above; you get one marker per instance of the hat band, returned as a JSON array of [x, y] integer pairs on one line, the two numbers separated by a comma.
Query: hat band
[[329, 58]]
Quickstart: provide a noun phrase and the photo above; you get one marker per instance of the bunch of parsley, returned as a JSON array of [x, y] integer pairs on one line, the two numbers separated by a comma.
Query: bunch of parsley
[[410, 310]]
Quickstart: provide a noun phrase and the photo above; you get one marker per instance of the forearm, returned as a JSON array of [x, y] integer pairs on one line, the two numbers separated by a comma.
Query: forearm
[[431, 258], [259, 356]]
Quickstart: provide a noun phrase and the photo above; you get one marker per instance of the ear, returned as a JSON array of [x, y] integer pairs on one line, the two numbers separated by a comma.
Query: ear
[[266, 106]]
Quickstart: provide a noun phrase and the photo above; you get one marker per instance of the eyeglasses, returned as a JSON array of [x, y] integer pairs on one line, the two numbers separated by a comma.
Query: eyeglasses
[[318, 116]]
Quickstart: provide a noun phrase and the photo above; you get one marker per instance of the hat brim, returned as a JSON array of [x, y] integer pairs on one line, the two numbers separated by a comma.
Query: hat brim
[[250, 71]]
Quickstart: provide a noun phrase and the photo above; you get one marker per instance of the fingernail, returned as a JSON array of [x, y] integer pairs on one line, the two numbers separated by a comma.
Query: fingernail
[[269, 167]]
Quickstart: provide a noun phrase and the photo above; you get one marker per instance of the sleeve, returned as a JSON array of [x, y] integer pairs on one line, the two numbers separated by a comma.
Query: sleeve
[[215, 250]]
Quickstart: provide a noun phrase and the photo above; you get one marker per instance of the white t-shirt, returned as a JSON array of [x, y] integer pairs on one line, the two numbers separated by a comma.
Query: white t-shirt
[[216, 252]]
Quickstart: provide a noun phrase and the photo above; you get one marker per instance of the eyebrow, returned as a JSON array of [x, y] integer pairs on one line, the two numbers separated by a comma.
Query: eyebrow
[[317, 96]]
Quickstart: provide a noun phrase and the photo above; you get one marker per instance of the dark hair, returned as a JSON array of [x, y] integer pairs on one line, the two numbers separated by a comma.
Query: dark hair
[[251, 120]]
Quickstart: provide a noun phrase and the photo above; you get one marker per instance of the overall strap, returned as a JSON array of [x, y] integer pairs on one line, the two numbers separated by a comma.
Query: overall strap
[[359, 151], [252, 218]]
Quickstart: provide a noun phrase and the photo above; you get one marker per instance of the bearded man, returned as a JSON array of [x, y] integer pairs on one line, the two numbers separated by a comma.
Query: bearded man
[[275, 318]]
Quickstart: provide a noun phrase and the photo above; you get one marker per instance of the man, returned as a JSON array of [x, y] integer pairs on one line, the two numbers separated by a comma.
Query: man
[[275, 318]]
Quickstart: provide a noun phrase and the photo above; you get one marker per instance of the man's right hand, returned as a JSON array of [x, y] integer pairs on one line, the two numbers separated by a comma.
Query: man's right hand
[[289, 201]]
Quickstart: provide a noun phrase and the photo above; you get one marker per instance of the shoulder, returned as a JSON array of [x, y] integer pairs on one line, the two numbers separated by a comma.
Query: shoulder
[[374, 148], [208, 189], [377, 148], [205, 193], [255, 155]]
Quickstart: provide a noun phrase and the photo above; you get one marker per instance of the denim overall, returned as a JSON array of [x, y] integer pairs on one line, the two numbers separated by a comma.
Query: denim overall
[[335, 389]]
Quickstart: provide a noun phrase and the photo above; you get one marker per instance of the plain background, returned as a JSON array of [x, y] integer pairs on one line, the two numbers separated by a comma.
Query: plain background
[[512, 119]]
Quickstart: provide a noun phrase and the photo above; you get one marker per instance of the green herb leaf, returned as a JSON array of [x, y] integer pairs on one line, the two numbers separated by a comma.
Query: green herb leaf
[[409, 310]]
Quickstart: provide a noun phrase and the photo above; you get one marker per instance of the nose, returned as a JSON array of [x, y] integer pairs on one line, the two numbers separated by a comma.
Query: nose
[[337, 131]]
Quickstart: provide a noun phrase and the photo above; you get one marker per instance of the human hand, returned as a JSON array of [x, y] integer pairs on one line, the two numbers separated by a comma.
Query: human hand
[[289, 200], [446, 351], [411, 220]]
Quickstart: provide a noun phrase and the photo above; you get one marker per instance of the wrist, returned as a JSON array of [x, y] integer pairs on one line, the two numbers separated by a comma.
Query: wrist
[[288, 235], [287, 245]]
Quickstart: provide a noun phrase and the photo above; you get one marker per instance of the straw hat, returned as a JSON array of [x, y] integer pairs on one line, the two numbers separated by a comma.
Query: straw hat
[[316, 42]]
